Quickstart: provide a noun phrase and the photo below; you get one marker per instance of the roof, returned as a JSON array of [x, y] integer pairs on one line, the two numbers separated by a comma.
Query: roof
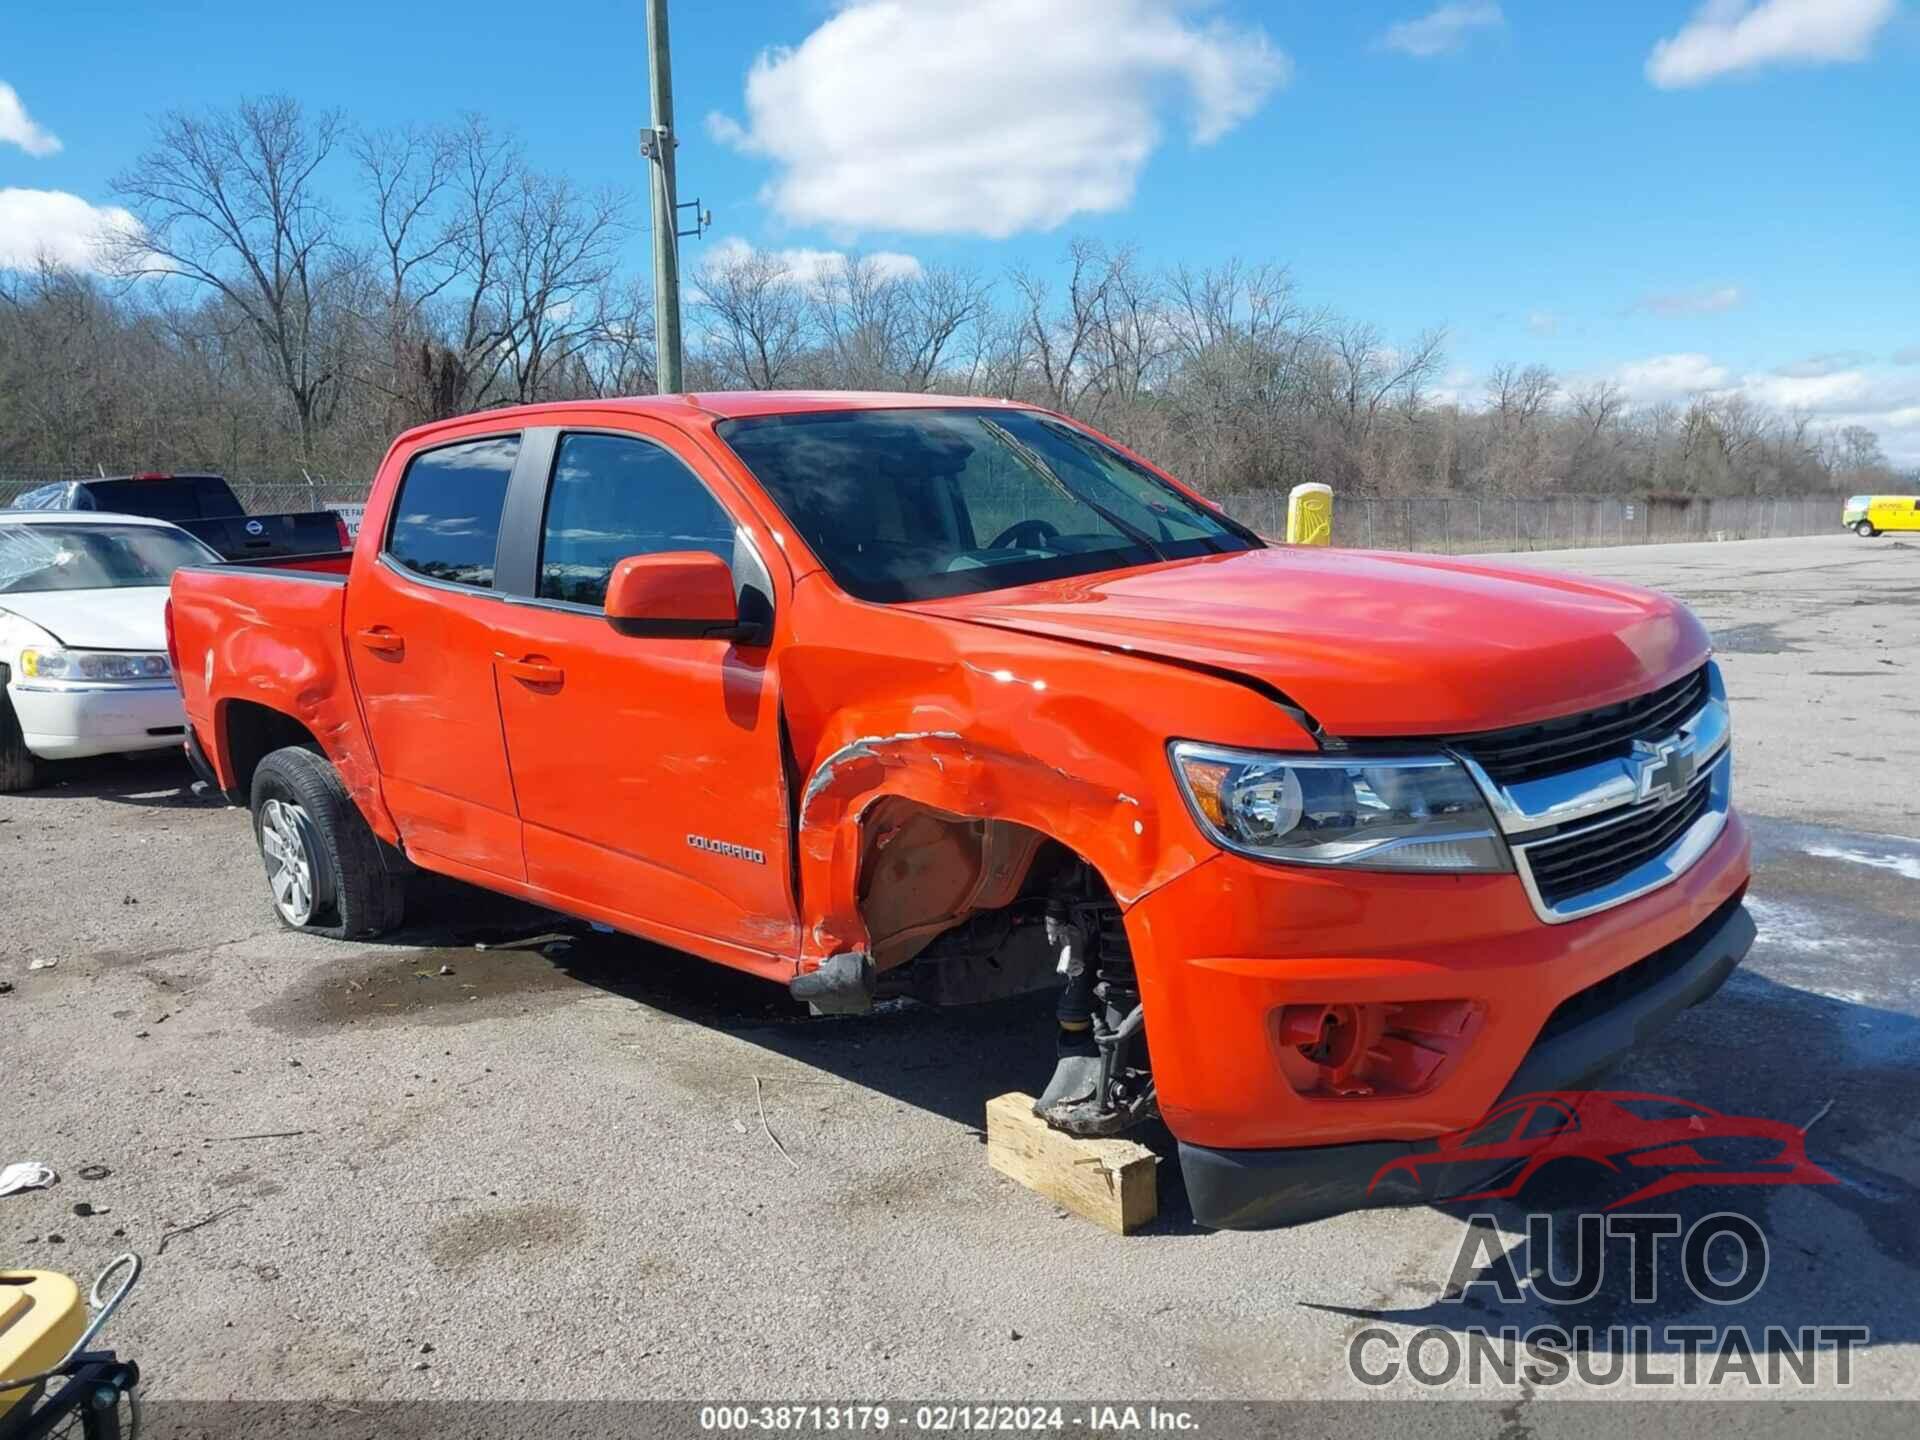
[[81, 517], [733, 404]]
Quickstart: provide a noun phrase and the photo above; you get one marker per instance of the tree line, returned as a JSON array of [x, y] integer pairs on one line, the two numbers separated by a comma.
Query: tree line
[[299, 290]]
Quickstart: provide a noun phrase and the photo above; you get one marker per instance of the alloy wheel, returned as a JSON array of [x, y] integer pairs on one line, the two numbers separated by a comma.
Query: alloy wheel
[[284, 842]]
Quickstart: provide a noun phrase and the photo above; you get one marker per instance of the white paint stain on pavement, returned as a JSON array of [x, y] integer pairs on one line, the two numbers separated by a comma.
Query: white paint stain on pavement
[[1906, 865]]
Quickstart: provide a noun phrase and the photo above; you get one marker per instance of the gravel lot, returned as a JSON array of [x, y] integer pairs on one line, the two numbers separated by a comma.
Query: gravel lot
[[545, 1174]]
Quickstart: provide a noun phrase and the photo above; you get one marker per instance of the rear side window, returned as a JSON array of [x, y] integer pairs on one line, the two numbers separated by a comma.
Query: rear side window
[[446, 518], [182, 498], [613, 497]]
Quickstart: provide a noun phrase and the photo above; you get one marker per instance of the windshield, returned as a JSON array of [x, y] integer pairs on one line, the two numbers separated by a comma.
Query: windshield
[[917, 504], [93, 557]]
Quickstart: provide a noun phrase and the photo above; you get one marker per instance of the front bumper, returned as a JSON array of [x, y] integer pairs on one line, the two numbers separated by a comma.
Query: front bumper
[[62, 721], [1260, 1189]]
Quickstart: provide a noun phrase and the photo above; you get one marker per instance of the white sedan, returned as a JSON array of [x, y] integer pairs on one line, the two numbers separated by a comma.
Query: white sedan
[[83, 646]]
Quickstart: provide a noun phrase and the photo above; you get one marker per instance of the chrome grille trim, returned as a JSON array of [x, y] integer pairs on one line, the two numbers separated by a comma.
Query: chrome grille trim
[[1650, 875], [1653, 778], [1575, 795]]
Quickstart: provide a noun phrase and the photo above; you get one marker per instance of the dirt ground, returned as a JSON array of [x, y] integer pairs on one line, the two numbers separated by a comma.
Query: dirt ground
[[422, 1169]]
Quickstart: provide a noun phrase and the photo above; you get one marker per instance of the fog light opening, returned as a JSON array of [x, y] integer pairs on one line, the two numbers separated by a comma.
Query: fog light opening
[[1351, 1050]]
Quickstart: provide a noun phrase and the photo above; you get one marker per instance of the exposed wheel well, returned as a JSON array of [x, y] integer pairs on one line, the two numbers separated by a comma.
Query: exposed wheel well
[[925, 871], [255, 731]]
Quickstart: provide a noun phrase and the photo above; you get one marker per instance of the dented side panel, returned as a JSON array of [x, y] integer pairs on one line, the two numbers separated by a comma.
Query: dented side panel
[[272, 640], [981, 724]]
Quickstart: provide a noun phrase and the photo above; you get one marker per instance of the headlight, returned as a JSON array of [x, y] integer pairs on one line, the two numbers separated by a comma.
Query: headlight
[[104, 666], [1412, 813]]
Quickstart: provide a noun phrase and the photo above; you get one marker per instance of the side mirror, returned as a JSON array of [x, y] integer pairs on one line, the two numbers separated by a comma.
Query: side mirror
[[678, 594]]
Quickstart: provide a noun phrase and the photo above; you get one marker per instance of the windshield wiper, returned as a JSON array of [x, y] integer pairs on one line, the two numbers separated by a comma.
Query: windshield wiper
[[1037, 463]]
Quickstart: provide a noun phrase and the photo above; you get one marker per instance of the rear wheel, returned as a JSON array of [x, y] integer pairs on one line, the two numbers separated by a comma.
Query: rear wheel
[[19, 767], [1864, 529], [325, 869]]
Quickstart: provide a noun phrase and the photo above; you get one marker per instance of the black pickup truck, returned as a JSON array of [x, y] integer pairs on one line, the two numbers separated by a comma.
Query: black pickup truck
[[202, 505]]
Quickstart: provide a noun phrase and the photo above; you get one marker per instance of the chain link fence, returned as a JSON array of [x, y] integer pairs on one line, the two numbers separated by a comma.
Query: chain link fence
[[1447, 524], [259, 497], [1477, 524]]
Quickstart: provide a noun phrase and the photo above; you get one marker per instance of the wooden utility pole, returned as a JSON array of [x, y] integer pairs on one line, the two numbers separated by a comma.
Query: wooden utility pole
[[658, 146]]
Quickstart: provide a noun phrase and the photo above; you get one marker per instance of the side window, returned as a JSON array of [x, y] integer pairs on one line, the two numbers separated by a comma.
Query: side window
[[446, 518], [612, 497]]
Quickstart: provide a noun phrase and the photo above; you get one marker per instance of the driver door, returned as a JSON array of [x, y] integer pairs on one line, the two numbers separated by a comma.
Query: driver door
[[648, 771]]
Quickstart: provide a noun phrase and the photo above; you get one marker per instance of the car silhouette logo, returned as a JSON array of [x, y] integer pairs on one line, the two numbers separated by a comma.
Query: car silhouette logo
[[1664, 771], [254, 527], [1656, 1144]]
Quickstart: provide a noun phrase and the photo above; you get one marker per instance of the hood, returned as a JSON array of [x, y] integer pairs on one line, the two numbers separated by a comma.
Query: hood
[[1373, 644], [128, 618]]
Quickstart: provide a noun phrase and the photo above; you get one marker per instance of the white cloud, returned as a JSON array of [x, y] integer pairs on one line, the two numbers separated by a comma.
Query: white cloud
[[1542, 323], [1662, 378], [1442, 31], [52, 225], [990, 118], [1815, 366], [1883, 400], [1695, 302], [1726, 36], [1907, 355], [808, 268], [18, 128]]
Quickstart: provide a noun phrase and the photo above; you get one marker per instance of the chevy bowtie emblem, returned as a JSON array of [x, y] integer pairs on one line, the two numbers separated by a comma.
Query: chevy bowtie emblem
[[1662, 772]]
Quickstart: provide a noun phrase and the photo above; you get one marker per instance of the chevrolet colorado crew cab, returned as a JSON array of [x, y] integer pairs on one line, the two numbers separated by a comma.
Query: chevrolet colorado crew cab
[[1325, 852]]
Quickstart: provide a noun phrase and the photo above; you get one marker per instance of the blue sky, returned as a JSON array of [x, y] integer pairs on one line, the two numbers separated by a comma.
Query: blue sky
[[1671, 194]]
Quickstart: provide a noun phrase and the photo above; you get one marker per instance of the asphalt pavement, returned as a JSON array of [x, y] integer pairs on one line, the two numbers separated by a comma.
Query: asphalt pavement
[[423, 1169]]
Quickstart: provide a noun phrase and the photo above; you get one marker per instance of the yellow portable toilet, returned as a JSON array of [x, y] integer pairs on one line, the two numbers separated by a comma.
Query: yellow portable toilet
[[40, 1319], [1310, 514]]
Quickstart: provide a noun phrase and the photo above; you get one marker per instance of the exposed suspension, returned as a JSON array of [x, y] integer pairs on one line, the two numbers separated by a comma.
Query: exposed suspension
[[1103, 1079]]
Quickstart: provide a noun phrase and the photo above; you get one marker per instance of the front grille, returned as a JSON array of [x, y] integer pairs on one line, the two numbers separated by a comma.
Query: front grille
[[1593, 858], [1528, 752]]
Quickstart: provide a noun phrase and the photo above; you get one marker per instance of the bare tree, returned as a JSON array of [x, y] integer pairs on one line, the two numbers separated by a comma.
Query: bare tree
[[558, 259], [753, 316], [232, 200], [1060, 344], [943, 303]]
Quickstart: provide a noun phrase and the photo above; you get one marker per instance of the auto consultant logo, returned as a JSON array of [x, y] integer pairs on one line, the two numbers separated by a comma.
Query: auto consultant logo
[[1641, 1145], [1622, 1149]]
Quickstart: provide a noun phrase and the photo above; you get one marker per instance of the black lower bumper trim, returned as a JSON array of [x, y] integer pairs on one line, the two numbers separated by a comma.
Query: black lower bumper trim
[[1261, 1189]]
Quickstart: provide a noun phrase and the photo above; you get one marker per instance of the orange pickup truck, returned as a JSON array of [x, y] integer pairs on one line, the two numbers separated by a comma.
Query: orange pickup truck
[[1322, 852]]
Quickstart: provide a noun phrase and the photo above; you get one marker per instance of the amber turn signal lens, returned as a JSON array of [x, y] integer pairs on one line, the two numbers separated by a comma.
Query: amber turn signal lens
[[1206, 782]]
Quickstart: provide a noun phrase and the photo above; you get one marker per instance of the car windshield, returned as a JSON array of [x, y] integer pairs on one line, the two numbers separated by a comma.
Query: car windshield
[[93, 557], [917, 504]]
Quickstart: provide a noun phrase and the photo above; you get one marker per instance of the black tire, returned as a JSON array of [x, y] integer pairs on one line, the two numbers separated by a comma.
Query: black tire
[[354, 891], [1864, 529], [19, 766]]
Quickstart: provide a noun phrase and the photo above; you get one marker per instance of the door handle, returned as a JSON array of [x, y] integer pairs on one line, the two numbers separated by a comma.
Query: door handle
[[382, 641], [533, 670]]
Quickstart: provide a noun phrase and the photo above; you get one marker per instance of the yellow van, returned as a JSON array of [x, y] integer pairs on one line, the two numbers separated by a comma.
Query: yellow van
[[1868, 515]]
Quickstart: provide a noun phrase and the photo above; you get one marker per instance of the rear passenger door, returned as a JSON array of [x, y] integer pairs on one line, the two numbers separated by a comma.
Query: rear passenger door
[[648, 770], [419, 631]]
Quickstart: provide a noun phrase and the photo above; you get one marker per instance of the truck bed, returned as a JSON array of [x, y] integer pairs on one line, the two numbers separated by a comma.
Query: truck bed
[[250, 640]]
